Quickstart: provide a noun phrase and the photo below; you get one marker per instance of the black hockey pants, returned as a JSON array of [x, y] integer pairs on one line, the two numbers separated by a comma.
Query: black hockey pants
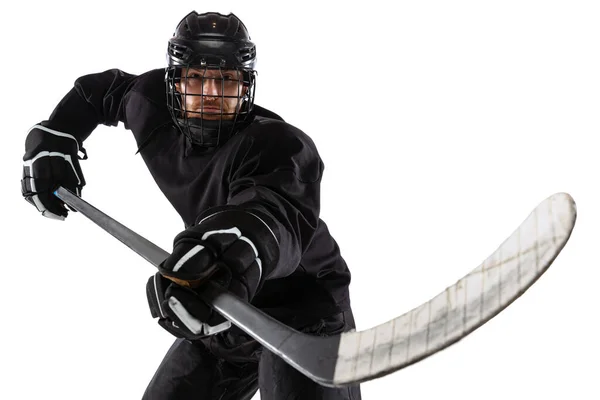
[[233, 366]]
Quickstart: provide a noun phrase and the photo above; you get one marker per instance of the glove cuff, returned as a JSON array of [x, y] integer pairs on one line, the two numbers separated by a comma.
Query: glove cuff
[[41, 138]]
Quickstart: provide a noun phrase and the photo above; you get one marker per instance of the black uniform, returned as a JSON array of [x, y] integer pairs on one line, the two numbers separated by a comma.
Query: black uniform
[[269, 166]]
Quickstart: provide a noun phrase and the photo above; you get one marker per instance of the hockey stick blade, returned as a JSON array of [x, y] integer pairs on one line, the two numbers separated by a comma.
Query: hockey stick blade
[[355, 357]]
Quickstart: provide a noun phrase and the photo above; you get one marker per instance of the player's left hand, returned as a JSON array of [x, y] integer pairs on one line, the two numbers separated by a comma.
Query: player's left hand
[[213, 250], [180, 311]]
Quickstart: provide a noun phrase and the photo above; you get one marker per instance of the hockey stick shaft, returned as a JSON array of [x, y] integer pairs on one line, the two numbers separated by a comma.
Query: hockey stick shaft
[[263, 328]]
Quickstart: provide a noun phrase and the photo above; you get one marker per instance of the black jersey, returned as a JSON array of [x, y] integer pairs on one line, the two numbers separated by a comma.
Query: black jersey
[[270, 166]]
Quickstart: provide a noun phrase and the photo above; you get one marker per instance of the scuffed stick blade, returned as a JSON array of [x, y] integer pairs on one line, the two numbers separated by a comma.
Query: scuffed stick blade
[[464, 306]]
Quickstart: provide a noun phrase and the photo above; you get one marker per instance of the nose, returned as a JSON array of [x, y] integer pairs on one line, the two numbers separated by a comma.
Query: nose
[[212, 87]]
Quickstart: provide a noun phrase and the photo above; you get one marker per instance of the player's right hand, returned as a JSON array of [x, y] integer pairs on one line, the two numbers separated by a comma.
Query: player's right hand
[[51, 160]]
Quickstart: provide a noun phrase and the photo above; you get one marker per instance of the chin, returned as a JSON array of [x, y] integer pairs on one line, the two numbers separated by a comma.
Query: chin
[[210, 117]]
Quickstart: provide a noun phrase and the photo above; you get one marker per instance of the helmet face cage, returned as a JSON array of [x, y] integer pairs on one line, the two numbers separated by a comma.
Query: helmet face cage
[[241, 87]]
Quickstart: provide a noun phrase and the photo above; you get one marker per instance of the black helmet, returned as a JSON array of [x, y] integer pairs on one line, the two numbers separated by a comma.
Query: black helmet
[[219, 44]]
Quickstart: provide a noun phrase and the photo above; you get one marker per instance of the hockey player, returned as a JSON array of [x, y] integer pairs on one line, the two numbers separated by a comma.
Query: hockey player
[[247, 187]]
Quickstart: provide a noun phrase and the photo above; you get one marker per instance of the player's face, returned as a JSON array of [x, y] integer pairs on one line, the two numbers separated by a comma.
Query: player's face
[[205, 91]]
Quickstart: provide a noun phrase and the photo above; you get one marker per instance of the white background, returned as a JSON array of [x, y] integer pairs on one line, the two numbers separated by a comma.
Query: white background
[[441, 124]]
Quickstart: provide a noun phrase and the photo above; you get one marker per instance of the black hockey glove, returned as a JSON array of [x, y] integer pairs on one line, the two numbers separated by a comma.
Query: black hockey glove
[[180, 311], [51, 160], [231, 248]]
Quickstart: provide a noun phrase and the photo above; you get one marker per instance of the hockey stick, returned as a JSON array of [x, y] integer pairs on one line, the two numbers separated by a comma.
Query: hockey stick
[[354, 357]]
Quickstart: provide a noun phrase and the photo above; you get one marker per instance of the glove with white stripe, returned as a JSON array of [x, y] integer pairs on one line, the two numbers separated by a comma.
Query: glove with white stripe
[[51, 160], [233, 248]]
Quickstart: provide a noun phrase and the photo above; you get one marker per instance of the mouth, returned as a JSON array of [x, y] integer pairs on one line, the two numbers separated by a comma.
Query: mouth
[[210, 109]]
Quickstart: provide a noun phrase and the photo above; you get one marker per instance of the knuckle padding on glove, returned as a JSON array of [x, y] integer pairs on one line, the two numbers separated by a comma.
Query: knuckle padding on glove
[[256, 228], [222, 239], [239, 256], [238, 240], [186, 257]]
